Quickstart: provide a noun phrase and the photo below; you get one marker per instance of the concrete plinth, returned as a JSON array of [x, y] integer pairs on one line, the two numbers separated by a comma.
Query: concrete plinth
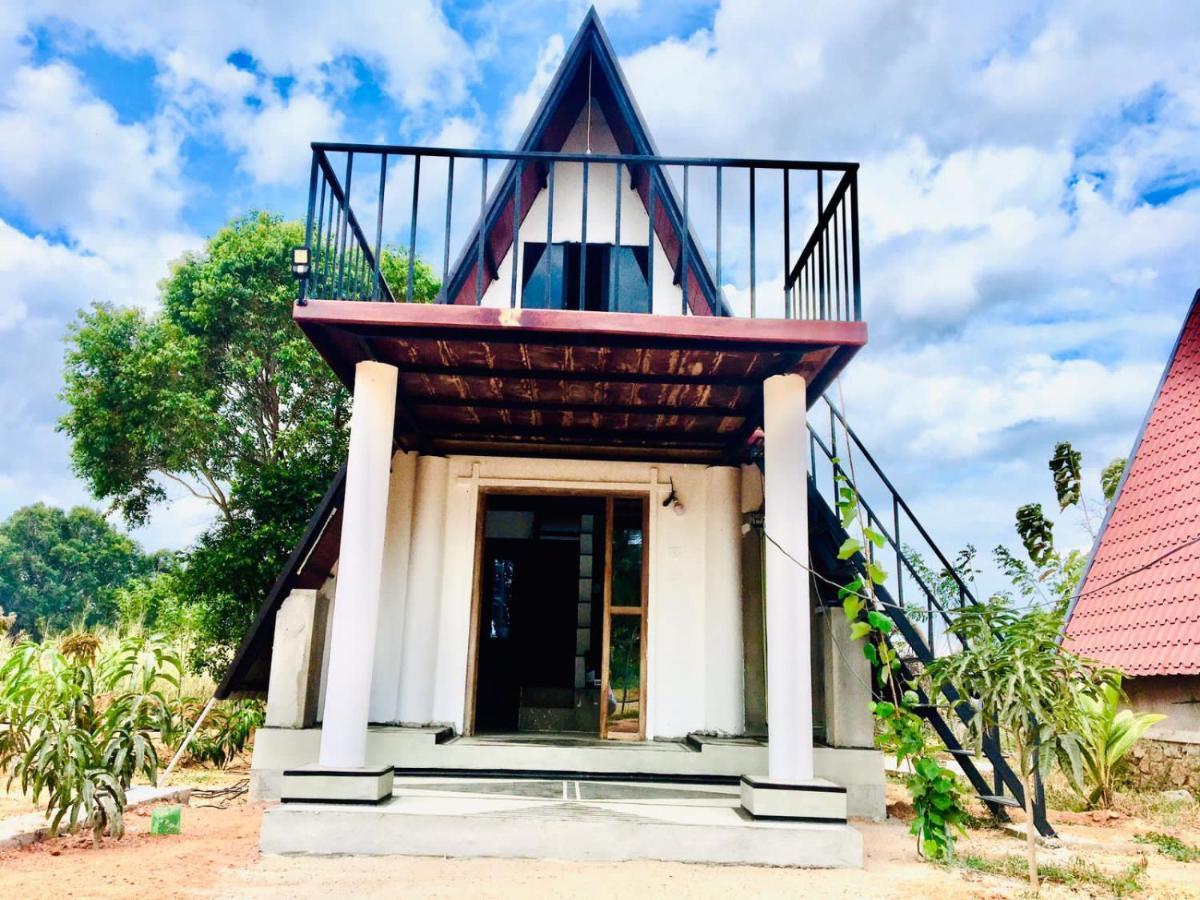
[[560, 820], [814, 800], [325, 784]]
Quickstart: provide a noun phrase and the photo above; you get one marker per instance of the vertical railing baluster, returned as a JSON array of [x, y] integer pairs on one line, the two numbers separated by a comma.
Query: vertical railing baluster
[[412, 228], [515, 253], [344, 221], [549, 255], [330, 257], [752, 236], [719, 180], [482, 230], [837, 266], [318, 237], [308, 227], [820, 270], [614, 266], [446, 242], [650, 232], [845, 259], [583, 242], [787, 243], [683, 245], [854, 245], [375, 286]]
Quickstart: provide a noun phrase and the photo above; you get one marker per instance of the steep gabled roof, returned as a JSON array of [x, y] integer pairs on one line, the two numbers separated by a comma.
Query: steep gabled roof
[[1138, 607], [589, 70]]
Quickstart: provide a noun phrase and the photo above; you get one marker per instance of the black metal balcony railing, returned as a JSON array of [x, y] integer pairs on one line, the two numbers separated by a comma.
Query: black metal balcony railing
[[727, 236]]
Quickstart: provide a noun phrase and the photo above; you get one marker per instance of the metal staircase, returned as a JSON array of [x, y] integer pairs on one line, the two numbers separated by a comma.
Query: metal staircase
[[916, 599]]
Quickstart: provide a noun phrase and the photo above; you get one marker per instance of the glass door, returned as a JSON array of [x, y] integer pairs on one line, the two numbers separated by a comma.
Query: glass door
[[623, 676]]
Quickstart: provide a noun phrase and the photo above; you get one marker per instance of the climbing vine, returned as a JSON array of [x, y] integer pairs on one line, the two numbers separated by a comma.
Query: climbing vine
[[936, 795]]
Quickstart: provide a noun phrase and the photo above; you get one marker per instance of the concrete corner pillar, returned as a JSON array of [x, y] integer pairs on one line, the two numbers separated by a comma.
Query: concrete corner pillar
[[296, 660], [789, 653], [846, 682], [360, 567]]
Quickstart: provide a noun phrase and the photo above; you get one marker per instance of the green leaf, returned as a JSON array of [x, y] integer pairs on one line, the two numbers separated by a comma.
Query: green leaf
[[874, 537], [852, 605], [870, 653], [879, 622], [859, 630], [849, 547], [876, 573]]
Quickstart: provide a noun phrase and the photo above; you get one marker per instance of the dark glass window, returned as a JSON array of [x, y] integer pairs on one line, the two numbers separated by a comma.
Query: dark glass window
[[615, 278]]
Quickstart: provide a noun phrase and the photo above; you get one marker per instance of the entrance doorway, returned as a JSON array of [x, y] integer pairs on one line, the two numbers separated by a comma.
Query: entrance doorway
[[559, 643]]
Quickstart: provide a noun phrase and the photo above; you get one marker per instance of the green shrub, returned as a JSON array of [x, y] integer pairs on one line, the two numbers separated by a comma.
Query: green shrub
[[225, 732], [78, 724]]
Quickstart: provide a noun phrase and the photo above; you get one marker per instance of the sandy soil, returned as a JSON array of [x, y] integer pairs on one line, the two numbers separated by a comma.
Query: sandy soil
[[217, 856]]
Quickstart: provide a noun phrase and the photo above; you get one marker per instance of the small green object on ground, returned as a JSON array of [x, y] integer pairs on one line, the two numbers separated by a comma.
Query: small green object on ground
[[166, 820]]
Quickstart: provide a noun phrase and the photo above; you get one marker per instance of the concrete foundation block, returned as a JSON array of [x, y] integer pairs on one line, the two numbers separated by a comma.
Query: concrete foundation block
[[817, 800], [323, 784]]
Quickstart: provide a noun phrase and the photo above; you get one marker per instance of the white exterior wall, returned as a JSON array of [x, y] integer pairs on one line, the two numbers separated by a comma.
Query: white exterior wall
[[694, 651], [667, 297]]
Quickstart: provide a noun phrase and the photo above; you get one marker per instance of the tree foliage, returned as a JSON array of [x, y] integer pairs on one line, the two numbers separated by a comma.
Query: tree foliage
[[1023, 684], [216, 387], [79, 724], [62, 569], [1110, 478]]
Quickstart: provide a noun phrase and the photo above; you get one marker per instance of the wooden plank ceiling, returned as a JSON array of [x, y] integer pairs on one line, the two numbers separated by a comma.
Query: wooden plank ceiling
[[591, 384]]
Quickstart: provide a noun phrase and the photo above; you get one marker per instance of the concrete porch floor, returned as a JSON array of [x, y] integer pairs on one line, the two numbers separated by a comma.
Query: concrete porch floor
[[559, 819]]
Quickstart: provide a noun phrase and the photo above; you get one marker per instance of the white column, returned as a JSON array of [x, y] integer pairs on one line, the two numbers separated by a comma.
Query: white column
[[360, 567], [789, 665]]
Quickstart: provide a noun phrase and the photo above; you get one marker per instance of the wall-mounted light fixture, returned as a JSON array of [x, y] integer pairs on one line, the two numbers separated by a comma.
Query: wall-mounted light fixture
[[301, 263], [672, 500]]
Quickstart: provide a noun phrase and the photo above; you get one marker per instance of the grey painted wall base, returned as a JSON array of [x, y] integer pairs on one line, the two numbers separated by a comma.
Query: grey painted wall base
[[390, 830], [276, 749]]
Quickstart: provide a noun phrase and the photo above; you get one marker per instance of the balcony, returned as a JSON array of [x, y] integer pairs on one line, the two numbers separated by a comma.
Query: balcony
[[740, 214], [583, 304]]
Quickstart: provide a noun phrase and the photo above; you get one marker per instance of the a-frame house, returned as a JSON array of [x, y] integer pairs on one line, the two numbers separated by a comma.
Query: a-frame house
[[561, 550]]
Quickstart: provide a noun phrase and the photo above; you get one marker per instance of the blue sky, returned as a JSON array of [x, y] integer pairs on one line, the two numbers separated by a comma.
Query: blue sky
[[1030, 182]]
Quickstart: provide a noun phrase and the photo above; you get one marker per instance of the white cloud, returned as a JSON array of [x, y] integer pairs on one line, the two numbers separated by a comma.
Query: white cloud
[[72, 166], [524, 105], [275, 140]]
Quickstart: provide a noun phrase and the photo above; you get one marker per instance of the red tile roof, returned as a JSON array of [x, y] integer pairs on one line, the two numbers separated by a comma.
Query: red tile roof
[[1139, 606]]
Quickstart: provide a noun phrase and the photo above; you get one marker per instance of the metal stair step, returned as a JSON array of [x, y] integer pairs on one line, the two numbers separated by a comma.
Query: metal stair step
[[999, 800]]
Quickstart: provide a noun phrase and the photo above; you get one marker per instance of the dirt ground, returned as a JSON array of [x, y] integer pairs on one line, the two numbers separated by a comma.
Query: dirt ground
[[217, 856]]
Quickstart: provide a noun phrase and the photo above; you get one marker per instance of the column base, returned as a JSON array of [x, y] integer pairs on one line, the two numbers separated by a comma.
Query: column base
[[816, 800], [330, 784]]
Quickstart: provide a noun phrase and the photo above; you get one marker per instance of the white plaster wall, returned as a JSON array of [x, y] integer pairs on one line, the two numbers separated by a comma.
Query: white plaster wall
[[694, 652], [667, 297]]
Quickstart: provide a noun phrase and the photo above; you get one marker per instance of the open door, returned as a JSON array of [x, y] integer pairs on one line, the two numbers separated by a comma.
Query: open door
[[623, 676]]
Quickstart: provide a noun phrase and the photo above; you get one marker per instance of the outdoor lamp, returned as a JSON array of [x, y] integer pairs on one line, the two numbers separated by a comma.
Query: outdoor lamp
[[301, 262], [673, 502]]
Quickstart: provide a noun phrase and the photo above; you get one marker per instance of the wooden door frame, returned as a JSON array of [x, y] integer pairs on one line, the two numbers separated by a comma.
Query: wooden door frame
[[485, 491]]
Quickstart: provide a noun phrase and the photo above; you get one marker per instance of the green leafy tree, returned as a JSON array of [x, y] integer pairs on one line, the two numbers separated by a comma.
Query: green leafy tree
[[62, 569], [1048, 575], [222, 395], [1023, 684]]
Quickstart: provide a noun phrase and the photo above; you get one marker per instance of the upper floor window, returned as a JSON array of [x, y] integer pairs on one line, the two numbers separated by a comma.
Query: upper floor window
[[614, 278]]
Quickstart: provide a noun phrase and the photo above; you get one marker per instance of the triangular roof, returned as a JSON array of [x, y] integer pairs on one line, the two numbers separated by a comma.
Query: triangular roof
[[1138, 607], [589, 70]]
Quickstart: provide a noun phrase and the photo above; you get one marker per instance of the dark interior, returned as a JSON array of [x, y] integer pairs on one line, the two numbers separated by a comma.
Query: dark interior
[[541, 615]]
